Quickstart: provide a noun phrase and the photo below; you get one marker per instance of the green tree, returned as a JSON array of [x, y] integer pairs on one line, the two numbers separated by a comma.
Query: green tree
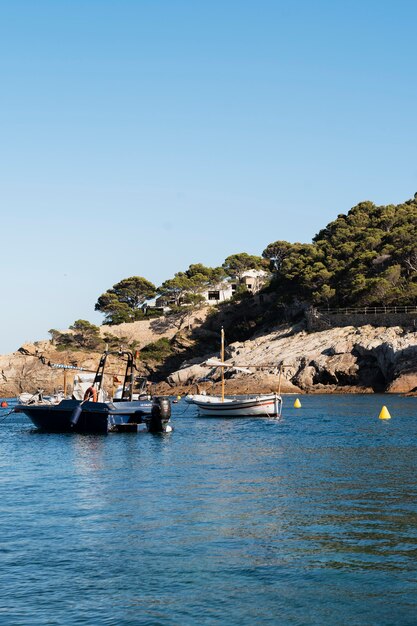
[[236, 265], [276, 252], [122, 302], [115, 312], [210, 275], [175, 289], [367, 257], [185, 288], [86, 335]]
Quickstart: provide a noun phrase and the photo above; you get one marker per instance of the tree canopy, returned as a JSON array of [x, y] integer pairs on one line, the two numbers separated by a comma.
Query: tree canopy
[[276, 253], [84, 336], [122, 302], [365, 258], [186, 287], [236, 265]]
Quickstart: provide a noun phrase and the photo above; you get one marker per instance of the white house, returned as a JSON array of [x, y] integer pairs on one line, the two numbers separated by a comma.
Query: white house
[[223, 291], [253, 279]]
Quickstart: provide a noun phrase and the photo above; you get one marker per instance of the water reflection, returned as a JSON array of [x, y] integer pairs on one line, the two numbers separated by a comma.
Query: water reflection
[[310, 520]]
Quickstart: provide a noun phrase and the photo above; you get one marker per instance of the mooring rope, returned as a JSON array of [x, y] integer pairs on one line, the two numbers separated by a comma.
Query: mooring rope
[[185, 410], [3, 417]]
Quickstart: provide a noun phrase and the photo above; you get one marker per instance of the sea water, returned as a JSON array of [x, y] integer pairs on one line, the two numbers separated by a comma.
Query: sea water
[[311, 519]]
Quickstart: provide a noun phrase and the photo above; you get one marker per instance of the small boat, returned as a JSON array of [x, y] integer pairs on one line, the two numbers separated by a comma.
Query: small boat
[[259, 405], [262, 405], [81, 383], [40, 398], [95, 414]]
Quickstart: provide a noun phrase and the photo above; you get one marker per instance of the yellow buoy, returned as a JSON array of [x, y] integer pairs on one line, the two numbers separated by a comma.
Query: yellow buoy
[[178, 397], [297, 404], [384, 415]]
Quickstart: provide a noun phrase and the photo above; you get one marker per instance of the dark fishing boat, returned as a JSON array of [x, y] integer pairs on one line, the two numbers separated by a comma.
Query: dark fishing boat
[[91, 416]]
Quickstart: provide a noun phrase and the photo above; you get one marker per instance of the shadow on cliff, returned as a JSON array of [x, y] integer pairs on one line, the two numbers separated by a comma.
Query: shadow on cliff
[[378, 371], [240, 320]]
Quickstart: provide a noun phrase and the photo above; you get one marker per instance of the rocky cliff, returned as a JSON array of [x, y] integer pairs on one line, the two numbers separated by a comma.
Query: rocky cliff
[[363, 359], [30, 369], [27, 369], [349, 359]]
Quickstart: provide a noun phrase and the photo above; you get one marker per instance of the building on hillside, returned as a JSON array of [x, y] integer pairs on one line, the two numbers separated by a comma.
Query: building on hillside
[[254, 280]]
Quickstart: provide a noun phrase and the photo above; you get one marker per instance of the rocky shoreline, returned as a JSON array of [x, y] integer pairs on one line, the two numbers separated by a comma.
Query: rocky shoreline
[[363, 359]]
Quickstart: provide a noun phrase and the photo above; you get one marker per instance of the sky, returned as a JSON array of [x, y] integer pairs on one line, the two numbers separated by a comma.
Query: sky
[[140, 136]]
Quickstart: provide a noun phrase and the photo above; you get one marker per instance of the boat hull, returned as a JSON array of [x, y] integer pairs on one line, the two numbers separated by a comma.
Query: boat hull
[[92, 417], [57, 418], [258, 406]]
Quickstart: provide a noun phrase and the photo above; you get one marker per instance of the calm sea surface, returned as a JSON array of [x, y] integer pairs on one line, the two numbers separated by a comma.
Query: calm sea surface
[[307, 520]]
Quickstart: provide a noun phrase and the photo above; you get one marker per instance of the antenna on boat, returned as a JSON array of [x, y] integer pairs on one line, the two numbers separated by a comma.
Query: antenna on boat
[[222, 359]]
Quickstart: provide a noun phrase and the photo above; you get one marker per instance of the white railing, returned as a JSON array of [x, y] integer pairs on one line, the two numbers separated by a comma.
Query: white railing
[[368, 310]]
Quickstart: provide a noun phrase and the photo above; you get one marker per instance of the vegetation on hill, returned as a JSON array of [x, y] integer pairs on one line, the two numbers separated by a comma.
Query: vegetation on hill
[[122, 303], [185, 287], [365, 258], [236, 265], [125, 301], [157, 351], [83, 335]]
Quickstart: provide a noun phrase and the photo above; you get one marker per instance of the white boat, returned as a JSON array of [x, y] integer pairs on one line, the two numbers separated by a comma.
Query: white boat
[[39, 398], [260, 405], [263, 405]]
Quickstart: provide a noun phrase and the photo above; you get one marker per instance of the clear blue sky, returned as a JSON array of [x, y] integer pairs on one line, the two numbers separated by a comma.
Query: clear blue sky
[[140, 136]]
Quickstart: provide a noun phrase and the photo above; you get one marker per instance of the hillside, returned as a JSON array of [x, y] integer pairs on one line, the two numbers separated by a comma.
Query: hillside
[[27, 369], [365, 359], [367, 257]]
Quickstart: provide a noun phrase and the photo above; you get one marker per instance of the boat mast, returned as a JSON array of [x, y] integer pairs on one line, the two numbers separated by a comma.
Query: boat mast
[[222, 360]]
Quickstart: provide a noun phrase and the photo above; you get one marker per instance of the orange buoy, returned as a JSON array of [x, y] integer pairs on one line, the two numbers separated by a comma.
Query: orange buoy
[[4, 404]]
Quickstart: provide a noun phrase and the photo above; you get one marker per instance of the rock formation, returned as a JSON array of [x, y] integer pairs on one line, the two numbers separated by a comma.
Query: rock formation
[[363, 359], [348, 359]]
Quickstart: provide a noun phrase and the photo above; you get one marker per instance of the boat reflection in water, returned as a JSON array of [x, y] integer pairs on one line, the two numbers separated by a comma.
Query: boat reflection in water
[[129, 410]]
